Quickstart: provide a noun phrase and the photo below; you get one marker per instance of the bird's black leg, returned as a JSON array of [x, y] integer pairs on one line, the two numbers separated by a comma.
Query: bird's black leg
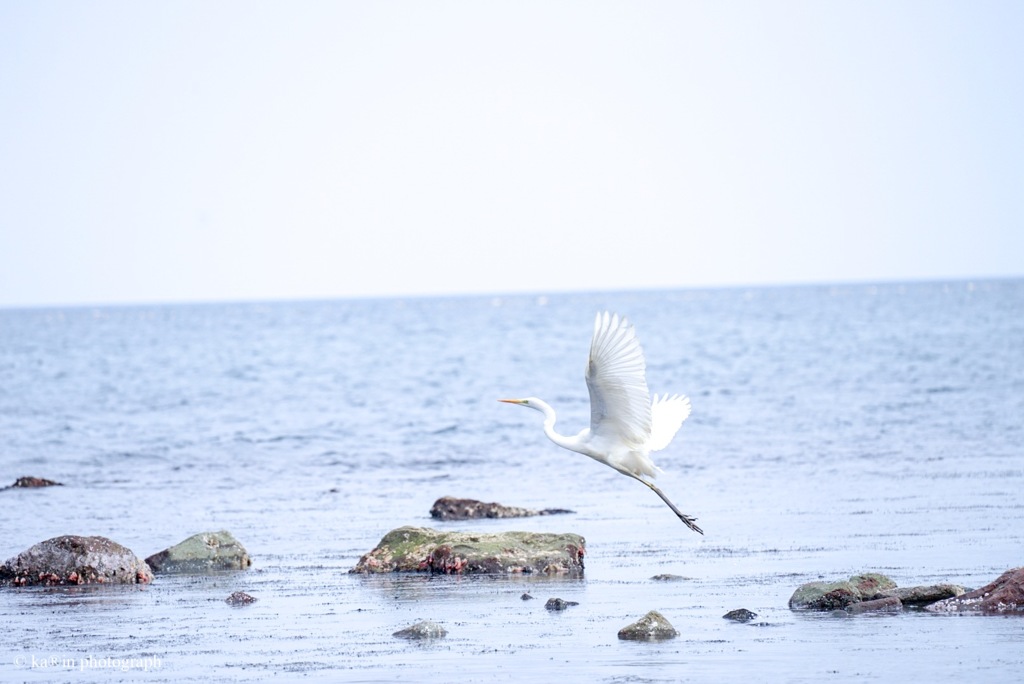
[[687, 520]]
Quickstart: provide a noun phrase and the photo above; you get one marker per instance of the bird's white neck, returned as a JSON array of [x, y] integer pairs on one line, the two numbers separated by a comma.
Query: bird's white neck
[[571, 443]]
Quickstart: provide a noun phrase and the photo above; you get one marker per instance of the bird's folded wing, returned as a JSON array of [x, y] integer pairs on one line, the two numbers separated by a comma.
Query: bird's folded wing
[[619, 400], [667, 416]]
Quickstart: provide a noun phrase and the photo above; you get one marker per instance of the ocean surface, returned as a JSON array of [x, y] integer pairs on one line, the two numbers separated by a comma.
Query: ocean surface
[[834, 430]]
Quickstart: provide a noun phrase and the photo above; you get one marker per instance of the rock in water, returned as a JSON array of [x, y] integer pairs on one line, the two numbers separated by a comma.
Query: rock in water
[[422, 630], [450, 508], [740, 615], [870, 584], [839, 595], [201, 553], [559, 604], [651, 627], [1004, 595], [75, 560], [240, 598], [29, 482], [824, 596], [421, 549], [922, 596], [889, 604]]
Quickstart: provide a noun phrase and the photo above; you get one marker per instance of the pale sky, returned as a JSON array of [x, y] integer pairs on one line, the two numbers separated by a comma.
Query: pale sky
[[211, 151]]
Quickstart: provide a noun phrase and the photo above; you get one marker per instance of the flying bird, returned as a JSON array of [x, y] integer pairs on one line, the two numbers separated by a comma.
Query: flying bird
[[626, 425]]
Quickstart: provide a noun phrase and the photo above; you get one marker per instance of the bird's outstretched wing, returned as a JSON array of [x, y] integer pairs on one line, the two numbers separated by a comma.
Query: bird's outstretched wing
[[620, 404], [667, 416]]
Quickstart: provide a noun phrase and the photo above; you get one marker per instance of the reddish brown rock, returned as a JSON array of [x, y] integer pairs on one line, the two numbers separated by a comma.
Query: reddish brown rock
[[240, 598], [889, 604], [1004, 595], [870, 584], [31, 482], [450, 508]]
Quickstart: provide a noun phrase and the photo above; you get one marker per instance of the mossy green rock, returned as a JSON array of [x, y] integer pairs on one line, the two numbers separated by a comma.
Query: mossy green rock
[[201, 553], [651, 627], [421, 549]]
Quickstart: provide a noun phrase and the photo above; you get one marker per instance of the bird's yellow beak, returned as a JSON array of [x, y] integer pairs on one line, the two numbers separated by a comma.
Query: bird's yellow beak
[[512, 401]]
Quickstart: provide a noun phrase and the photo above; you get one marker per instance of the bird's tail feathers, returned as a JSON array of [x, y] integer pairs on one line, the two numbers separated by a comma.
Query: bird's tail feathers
[[667, 416]]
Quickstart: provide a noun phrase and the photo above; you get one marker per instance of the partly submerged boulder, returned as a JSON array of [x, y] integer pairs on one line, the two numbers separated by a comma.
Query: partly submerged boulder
[[421, 549], [75, 560], [839, 595], [557, 604], [201, 553], [824, 596], [740, 615], [1004, 595], [425, 629], [450, 508], [880, 605], [651, 627]]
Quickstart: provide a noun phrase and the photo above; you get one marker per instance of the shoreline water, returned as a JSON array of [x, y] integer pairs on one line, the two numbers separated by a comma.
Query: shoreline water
[[831, 434]]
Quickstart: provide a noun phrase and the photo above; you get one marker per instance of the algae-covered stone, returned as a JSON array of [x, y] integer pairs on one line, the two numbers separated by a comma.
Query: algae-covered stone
[[824, 596], [421, 549], [651, 627], [870, 584], [201, 553], [75, 560]]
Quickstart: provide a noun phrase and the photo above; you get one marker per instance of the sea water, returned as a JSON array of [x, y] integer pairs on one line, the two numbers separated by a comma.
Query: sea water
[[835, 430]]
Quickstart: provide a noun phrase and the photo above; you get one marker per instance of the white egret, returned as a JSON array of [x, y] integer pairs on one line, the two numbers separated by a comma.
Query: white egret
[[625, 424]]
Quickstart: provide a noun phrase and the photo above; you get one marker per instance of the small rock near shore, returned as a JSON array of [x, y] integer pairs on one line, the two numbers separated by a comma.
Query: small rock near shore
[[526, 597], [240, 598], [651, 627], [422, 630], [450, 508], [201, 553], [421, 549], [740, 615], [1003, 595], [75, 560]]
